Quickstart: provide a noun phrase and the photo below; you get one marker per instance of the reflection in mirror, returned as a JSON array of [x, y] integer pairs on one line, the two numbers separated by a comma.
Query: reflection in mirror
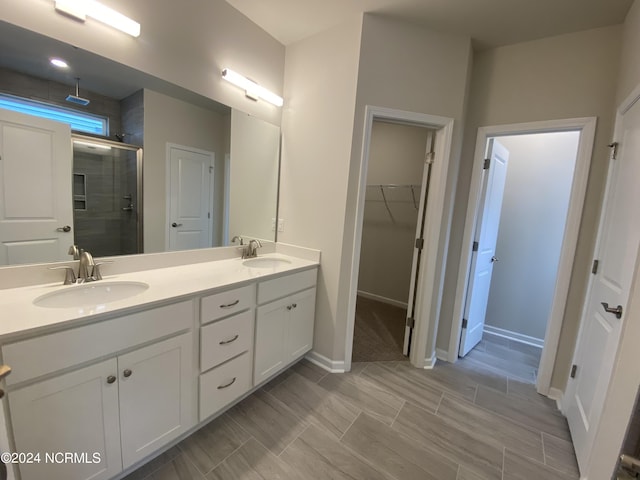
[[107, 207], [143, 112]]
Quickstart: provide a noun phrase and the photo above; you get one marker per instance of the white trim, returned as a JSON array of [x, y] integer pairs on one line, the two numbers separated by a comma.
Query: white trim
[[429, 363], [442, 354], [557, 395], [380, 298], [515, 336], [432, 272], [331, 366], [587, 127]]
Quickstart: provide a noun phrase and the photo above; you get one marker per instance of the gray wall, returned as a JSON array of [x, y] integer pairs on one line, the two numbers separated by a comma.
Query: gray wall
[[167, 120], [396, 156], [559, 77], [532, 223]]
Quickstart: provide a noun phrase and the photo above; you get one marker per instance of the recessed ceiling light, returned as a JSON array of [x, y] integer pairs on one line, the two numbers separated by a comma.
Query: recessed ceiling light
[[58, 62]]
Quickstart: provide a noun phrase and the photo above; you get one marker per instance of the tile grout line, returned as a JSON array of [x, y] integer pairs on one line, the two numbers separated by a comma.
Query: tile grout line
[[225, 458], [347, 429], [458, 472], [504, 459], [296, 438], [544, 452], [404, 402], [439, 403]]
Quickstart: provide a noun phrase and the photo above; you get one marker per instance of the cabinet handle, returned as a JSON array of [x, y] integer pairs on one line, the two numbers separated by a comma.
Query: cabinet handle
[[127, 373], [289, 307], [111, 379], [294, 305], [229, 305], [220, 387], [226, 342]]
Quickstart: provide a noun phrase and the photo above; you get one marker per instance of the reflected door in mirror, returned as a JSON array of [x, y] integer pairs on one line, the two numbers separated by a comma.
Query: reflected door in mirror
[[36, 221]]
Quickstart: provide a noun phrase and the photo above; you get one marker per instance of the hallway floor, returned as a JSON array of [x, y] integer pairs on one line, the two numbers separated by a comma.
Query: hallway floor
[[383, 420]]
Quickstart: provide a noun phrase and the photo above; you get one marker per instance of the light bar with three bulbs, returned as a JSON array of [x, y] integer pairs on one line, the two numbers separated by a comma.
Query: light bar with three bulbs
[[251, 88], [81, 9]]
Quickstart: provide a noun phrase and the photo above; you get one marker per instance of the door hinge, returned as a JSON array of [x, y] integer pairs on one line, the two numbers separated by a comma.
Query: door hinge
[[574, 369], [594, 268], [487, 164], [210, 169], [429, 158], [411, 322], [475, 247], [208, 214], [465, 322], [420, 243], [614, 154]]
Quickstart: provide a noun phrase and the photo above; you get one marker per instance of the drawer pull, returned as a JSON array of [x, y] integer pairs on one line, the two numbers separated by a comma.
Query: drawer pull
[[229, 305], [226, 342], [220, 387]]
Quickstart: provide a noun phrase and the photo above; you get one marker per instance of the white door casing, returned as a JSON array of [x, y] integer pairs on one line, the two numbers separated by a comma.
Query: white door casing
[[484, 257], [616, 252], [189, 223], [36, 216]]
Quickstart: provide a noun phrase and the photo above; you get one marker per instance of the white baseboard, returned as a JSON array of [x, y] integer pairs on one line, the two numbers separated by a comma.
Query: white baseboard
[[331, 366], [429, 363], [380, 298], [515, 336], [442, 355], [557, 395]]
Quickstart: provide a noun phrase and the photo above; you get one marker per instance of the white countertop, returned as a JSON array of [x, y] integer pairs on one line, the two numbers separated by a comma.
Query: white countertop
[[20, 316]]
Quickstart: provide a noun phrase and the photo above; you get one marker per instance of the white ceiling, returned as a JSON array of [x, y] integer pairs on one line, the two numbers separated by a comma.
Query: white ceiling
[[489, 23]]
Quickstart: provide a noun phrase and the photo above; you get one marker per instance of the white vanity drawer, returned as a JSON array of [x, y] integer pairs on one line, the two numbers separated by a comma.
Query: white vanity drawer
[[227, 303], [286, 285], [224, 339], [224, 384], [49, 353]]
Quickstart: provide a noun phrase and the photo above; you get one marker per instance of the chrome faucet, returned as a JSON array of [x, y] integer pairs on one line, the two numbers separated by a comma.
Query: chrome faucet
[[251, 249], [238, 238], [86, 267]]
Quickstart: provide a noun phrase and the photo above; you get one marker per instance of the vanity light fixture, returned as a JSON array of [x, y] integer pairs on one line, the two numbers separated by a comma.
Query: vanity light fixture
[[58, 62], [251, 88], [96, 146], [81, 9]]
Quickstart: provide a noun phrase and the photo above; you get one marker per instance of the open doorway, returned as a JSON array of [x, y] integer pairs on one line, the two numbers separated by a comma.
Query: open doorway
[[523, 281], [397, 184]]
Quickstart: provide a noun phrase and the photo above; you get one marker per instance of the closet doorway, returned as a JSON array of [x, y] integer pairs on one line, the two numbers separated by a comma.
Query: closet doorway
[[398, 176]]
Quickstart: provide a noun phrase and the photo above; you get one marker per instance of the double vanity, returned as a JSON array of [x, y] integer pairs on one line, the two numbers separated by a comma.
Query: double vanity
[[107, 374]]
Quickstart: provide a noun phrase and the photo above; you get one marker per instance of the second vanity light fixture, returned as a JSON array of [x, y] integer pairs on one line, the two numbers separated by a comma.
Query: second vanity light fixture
[[81, 9], [251, 88]]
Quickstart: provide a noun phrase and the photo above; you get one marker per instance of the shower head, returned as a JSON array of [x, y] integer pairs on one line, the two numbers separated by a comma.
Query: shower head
[[77, 99]]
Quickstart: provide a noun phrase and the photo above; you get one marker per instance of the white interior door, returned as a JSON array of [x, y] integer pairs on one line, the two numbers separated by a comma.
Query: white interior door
[[190, 198], [484, 254], [417, 250], [36, 216], [617, 252]]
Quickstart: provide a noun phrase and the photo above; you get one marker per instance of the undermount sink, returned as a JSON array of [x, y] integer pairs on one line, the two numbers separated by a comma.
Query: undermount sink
[[265, 262], [90, 294]]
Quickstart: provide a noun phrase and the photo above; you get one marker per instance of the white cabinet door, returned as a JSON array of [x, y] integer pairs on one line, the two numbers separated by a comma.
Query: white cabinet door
[[271, 321], [155, 396], [76, 412], [300, 331]]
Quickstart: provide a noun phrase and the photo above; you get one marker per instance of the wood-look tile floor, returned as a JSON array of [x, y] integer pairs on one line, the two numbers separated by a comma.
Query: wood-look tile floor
[[383, 420]]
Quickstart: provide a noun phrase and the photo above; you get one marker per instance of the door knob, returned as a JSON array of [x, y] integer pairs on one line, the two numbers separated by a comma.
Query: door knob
[[494, 259], [65, 229], [176, 225], [616, 311]]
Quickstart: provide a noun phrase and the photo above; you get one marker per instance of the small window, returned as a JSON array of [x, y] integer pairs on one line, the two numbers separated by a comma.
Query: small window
[[78, 121]]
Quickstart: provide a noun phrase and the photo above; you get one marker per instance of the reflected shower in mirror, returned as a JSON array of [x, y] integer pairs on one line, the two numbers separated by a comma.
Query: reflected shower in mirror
[[147, 113]]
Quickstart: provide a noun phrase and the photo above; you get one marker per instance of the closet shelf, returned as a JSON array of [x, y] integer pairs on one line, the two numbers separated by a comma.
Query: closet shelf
[[392, 186]]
